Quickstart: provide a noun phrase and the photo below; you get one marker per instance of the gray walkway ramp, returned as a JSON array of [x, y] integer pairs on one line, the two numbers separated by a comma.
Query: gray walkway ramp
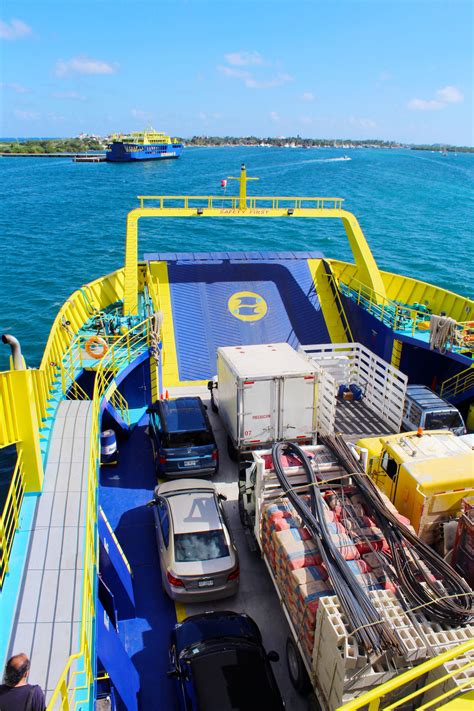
[[48, 613]]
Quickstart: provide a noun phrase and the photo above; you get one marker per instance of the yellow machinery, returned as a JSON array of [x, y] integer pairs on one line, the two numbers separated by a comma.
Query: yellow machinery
[[425, 474]]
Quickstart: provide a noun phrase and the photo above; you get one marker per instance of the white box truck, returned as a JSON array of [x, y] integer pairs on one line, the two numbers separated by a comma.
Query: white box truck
[[265, 393]]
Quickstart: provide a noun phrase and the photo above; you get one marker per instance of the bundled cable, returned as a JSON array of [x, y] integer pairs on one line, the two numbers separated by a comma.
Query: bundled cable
[[444, 595], [372, 632]]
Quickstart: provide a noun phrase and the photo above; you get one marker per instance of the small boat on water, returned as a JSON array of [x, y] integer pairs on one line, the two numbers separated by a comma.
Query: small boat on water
[[144, 145]]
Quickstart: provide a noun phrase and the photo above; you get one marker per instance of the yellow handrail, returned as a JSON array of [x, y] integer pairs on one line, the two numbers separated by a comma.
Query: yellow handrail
[[458, 383], [232, 202], [9, 519], [373, 698], [399, 316], [9, 432], [76, 687]]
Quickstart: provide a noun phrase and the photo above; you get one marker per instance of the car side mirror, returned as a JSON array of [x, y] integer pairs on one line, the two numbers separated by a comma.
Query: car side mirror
[[273, 656], [222, 497]]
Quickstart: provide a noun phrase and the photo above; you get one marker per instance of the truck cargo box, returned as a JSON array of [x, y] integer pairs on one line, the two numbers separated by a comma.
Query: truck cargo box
[[266, 393]]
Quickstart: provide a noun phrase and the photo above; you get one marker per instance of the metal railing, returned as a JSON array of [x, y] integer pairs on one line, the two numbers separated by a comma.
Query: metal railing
[[403, 317], [9, 519], [373, 699], [189, 202], [75, 687], [458, 383], [9, 432]]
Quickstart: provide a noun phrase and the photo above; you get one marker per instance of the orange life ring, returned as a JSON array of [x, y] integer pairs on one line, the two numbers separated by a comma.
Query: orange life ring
[[92, 347]]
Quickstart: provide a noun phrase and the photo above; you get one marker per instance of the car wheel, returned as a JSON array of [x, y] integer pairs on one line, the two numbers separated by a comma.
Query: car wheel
[[296, 668], [242, 512], [231, 450]]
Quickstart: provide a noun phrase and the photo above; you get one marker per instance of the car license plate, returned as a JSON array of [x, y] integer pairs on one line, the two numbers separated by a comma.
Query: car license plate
[[190, 463], [205, 583]]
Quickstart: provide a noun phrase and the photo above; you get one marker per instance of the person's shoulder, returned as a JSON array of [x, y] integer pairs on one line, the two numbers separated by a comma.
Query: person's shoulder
[[37, 698]]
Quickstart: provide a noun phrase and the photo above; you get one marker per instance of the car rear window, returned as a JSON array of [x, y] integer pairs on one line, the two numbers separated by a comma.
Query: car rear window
[[443, 420], [199, 438], [233, 680], [205, 545]]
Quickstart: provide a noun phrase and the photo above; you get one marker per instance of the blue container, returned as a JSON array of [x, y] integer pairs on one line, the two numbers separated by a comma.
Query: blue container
[[343, 388], [108, 447], [356, 391]]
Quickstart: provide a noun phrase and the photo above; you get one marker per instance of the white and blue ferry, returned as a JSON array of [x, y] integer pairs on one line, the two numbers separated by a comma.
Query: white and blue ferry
[[144, 145]]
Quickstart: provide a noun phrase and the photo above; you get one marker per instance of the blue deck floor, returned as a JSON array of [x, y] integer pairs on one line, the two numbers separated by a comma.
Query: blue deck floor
[[200, 294], [124, 491]]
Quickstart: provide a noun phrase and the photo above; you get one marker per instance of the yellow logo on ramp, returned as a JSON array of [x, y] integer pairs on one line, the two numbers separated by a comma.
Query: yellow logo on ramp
[[247, 306]]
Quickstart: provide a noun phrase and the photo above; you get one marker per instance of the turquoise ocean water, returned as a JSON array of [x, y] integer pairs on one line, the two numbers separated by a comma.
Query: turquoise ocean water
[[63, 223]]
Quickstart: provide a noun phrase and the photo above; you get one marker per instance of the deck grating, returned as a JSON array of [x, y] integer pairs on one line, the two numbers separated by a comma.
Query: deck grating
[[49, 606]]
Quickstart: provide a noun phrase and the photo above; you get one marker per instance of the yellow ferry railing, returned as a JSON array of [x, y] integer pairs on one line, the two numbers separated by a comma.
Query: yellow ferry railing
[[232, 202], [75, 686], [402, 317], [73, 314], [458, 383], [372, 700], [9, 432], [9, 519]]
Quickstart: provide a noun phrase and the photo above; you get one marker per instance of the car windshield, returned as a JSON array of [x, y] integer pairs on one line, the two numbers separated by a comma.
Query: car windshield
[[443, 420], [233, 680], [205, 545], [199, 438]]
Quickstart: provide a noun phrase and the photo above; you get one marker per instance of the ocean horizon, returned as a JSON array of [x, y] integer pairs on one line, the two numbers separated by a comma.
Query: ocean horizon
[[63, 223]]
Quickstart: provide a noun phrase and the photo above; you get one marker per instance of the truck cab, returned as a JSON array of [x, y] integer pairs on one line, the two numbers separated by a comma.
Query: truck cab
[[426, 475]]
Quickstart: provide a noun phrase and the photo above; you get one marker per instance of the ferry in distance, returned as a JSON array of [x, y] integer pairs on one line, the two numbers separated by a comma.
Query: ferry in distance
[[142, 145]]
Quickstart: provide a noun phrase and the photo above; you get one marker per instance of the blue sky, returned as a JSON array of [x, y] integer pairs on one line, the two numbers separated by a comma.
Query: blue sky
[[346, 68]]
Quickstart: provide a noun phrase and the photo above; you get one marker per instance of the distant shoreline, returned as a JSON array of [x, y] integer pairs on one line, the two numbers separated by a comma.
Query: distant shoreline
[[69, 147]]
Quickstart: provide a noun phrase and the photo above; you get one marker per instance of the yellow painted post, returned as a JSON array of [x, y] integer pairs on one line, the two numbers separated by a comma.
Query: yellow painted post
[[396, 353], [243, 188], [26, 417], [130, 300], [367, 269]]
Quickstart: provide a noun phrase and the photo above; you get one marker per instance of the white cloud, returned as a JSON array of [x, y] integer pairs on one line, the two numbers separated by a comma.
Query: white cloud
[[251, 81], [307, 96], [425, 105], [56, 118], [26, 115], [362, 122], [17, 88], [279, 80], [244, 59], [237, 73], [450, 95], [142, 115], [446, 95], [274, 116], [83, 65], [16, 29], [68, 95]]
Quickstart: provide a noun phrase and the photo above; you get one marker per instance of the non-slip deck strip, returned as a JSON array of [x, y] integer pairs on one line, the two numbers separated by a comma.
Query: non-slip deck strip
[[48, 613]]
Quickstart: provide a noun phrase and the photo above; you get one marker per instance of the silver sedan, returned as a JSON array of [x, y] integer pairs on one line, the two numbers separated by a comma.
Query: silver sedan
[[198, 557]]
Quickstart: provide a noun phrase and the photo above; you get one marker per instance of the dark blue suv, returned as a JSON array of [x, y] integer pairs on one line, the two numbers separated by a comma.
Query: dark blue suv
[[182, 439], [219, 664]]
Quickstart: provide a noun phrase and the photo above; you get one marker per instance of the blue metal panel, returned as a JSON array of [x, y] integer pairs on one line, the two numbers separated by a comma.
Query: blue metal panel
[[200, 294], [116, 661], [114, 571], [124, 491]]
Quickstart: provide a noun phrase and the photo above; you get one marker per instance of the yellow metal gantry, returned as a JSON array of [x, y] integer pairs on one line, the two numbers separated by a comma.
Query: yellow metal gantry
[[198, 206]]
